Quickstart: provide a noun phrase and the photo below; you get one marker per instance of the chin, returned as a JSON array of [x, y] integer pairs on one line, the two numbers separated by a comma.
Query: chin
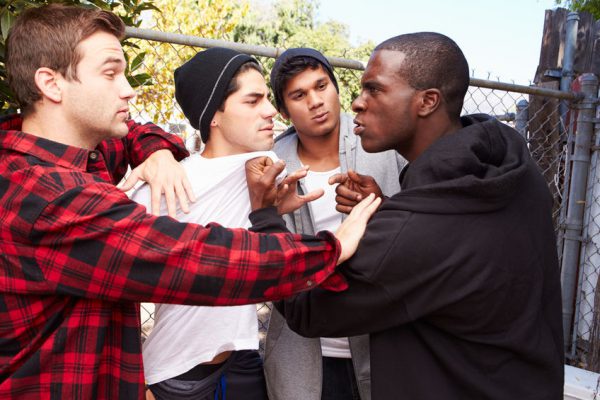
[[369, 147], [120, 132], [267, 146]]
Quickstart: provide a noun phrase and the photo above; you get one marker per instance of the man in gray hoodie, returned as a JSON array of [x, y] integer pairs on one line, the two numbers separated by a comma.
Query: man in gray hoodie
[[306, 93]]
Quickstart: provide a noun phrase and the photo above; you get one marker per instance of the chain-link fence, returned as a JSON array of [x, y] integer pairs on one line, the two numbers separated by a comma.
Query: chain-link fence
[[547, 119]]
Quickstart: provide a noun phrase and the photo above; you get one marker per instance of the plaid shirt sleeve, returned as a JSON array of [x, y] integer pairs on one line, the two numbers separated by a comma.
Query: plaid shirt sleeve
[[94, 242], [133, 149], [266, 220]]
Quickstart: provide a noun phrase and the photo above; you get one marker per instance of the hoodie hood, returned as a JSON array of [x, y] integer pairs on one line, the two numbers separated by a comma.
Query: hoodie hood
[[476, 169]]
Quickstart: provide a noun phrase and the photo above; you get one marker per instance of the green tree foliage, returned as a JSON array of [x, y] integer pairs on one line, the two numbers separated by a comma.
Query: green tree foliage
[[283, 24], [591, 6], [129, 11], [293, 23], [214, 19]]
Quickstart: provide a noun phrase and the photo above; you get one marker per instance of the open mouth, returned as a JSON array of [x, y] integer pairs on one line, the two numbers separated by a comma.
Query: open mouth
[[358, 127]]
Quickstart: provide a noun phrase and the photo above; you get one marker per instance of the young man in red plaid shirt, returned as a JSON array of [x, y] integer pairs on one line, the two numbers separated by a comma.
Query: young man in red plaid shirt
[[77, 254]]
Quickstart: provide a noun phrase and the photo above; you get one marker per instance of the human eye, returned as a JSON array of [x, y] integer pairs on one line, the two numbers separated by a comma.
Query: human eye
[[371, 88], [322, 86], [110, 74]]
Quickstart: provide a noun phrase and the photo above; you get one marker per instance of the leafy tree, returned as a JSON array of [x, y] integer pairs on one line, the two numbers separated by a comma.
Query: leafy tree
[[292, 23], [130, 12], [284, 24], [591, 6], [205, 18]]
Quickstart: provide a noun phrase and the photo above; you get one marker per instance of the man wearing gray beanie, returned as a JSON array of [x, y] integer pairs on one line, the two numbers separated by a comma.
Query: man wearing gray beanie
[[211, 352], [306, 93]]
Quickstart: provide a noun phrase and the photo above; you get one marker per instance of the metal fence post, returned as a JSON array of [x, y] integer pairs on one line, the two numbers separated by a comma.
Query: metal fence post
[[568, 60], [588, 256], [522, 118], [576, 201]]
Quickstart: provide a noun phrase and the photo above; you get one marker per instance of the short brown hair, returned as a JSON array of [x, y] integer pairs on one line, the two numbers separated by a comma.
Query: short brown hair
[[48, 37]]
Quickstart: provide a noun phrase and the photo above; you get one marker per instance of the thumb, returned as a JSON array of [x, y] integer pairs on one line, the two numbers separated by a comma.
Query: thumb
[[356, 177], [258, 164], [337, 178], [131, 180], [273, 170]]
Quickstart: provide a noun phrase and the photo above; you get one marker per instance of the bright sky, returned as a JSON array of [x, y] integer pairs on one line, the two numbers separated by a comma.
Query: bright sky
[[501, 39]]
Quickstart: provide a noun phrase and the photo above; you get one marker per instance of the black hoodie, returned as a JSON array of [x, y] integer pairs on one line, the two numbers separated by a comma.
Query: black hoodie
[[456, 278]]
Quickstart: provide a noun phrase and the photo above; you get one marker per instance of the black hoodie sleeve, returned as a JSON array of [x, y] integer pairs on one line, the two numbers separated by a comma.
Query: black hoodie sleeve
[[366, 306], [411, 265]]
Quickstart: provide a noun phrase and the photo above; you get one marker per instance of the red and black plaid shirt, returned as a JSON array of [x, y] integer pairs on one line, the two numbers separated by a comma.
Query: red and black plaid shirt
[[77, 255]]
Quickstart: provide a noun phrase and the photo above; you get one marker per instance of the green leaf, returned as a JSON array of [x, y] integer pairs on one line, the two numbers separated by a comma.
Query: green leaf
[[6, 22], [140, 80], [137, 61], [146, 6]]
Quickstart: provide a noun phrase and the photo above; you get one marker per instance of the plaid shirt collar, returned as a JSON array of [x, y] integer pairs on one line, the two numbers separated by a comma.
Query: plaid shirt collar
[[45, 150]]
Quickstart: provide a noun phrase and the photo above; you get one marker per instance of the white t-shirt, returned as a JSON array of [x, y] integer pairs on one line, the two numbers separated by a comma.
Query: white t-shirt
[[326, 218], [185, 336]]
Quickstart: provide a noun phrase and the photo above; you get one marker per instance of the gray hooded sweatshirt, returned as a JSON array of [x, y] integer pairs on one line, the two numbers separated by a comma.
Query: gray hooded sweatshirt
[[293, 366]]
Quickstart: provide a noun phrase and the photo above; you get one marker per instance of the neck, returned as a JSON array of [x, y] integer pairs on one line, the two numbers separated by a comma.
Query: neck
[[429, 134], [55, 127], [218, 147], [321, 153]]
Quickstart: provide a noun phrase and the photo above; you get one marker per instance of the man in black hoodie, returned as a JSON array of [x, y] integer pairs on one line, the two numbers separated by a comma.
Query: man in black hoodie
[[456, 279]]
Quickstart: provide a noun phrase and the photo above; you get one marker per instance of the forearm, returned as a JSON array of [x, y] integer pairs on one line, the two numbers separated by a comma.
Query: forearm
[[117, 252], [137, 146], [361, 309], [267, 220], [144, 139]]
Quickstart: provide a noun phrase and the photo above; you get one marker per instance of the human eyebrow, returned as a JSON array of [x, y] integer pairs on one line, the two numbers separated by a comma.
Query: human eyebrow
[[253, 97], [295, 93], [110, 61], [371, 85], [257, 95]]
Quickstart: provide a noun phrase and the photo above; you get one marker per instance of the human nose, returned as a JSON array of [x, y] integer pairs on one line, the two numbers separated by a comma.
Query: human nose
[[314, 100], [358, 104], [268, 110], [127, 92]]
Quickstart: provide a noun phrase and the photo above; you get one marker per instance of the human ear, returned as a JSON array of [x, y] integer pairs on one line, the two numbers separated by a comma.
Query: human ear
[[429, 102], [49, 83], [216, 119]]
